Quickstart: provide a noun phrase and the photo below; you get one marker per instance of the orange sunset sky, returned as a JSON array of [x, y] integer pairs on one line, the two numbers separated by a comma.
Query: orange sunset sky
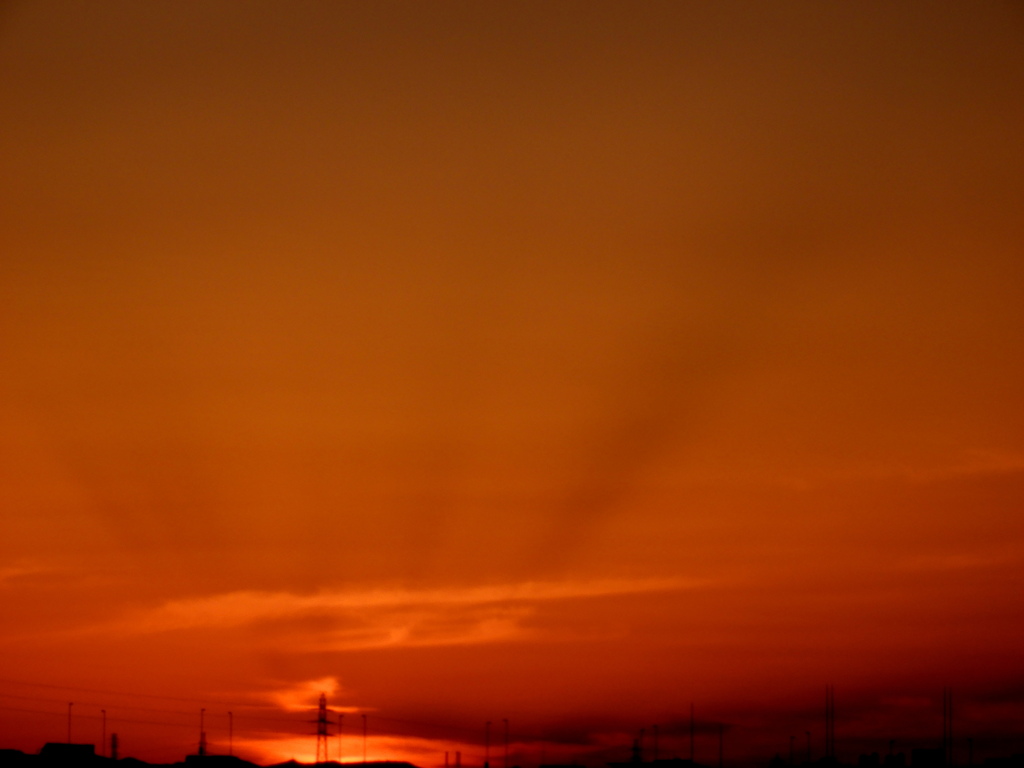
[[559, 362]]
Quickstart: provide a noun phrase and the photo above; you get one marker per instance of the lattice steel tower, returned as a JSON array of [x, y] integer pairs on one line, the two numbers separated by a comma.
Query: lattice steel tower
[[321, 730]]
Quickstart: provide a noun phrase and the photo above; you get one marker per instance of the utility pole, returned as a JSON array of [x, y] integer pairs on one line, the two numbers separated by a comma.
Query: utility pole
[[947, 725], [830, 722], [202, 732], [691, 731]]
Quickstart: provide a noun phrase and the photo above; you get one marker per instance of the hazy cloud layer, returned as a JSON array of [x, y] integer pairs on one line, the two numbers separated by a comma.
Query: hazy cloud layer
[[386, 617]]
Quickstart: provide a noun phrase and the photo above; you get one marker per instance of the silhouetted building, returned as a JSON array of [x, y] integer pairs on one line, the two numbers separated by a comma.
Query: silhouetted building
[[928, 757], [14, 758], [899, 760], [672, 762], [218, 761], [59, 754], [1013, 761]]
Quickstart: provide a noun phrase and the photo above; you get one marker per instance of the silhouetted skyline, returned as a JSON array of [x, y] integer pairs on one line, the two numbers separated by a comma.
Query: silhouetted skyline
[[933, 742]]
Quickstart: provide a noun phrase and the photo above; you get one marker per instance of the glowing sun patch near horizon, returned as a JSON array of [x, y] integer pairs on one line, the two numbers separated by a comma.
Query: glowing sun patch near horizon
[[426, 753]]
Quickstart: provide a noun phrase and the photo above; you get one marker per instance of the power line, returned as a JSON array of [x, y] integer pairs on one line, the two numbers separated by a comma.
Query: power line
[[136, 707], [299, 729], [10, 681]]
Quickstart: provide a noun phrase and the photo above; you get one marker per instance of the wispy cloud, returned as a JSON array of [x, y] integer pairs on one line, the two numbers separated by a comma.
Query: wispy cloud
[[973, 463], [11, 573], [388, 617], [297, 698], [957, 561]]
